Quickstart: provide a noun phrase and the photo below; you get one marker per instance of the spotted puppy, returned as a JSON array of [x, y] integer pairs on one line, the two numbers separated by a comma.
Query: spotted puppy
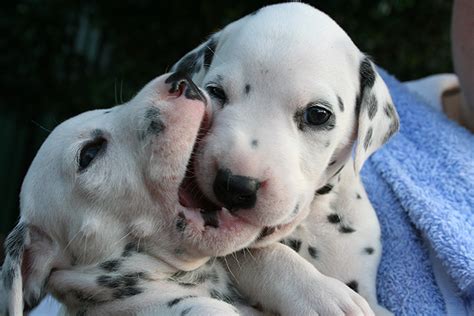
[[101, 224], [297, 109]]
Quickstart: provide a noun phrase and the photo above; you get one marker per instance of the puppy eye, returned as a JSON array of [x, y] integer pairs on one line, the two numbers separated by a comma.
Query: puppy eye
[[316, 115], [90, 151], [217, 93]]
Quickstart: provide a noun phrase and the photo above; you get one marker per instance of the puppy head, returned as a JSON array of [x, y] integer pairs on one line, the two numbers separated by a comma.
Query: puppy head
[[291, 94], [100, 180]]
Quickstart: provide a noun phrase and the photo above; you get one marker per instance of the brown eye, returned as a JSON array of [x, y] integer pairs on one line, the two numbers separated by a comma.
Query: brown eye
[[316, 115], [90, 151]]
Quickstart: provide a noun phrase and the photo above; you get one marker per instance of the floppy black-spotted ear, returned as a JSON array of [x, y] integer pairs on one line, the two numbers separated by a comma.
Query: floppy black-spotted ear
[[30, 254], [196, 63], [375, 113]]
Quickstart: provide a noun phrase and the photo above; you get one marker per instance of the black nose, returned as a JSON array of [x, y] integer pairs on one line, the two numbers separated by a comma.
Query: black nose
[[235, 192]]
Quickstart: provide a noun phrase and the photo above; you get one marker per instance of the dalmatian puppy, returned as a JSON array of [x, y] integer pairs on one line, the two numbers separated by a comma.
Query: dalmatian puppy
[[101, 199], [297, 109]]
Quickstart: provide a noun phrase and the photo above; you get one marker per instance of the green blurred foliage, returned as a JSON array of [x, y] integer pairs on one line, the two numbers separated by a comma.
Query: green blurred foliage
[[60, 58]]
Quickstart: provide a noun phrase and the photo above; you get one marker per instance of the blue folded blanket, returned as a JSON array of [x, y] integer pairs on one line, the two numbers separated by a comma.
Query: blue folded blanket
[[422, 187]]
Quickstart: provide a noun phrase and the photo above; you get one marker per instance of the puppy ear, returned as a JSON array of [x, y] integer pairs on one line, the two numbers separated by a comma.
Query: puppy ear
[[375, 113], [196, 63], [30, 254]]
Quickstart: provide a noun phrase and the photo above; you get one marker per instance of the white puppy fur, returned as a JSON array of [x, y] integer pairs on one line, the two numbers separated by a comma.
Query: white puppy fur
[[101, 226], [293, 98]]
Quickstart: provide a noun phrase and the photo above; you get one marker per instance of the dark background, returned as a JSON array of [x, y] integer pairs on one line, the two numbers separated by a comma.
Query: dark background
[[59, 58]]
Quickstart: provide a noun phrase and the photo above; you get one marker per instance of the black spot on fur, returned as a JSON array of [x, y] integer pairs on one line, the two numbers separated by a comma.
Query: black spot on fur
[[332, 162], [209, 52], [346, 229], [129, 249], [107, 112], [266, 231], [358, 196], [234, 294], [84, 298], [296, 209], [389, 110], [366, 81], [325, 189], [368, 138], [334, 218], [369, 250], [372, 106], [181, 222], [187, 64], [338, 170], [393, 128], [353, 285], [108, 281], [186, 311], [327, 144], [295, 244], [155, 126], [111, 265], [313, 252], [247, 88], [254, 143], [340, 103], [215, 294], [127, 292], [210, 218], [15, 243]]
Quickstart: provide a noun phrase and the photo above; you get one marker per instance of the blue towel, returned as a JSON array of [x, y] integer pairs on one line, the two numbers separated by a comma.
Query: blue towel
[[422, 187]]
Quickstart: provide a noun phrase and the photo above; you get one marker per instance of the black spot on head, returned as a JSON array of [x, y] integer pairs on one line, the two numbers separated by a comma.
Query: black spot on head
[[295, 244], [334, 218], [185, 311], [247, 88], [210, 218], [313, 252], [332, 162], [181, 222], [353, 285], [254, 143], [111, 265], [368, 138], [97, 133], [358, 196], [209, 51], [346, 229], [107, 281], [107, 112], [155, 127], [340, 103], [369, 250], [325, 189], [372, 106], [127, 292]]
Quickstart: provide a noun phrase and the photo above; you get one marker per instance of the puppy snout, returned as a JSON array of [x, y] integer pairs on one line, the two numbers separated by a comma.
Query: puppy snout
[[235, 191]]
